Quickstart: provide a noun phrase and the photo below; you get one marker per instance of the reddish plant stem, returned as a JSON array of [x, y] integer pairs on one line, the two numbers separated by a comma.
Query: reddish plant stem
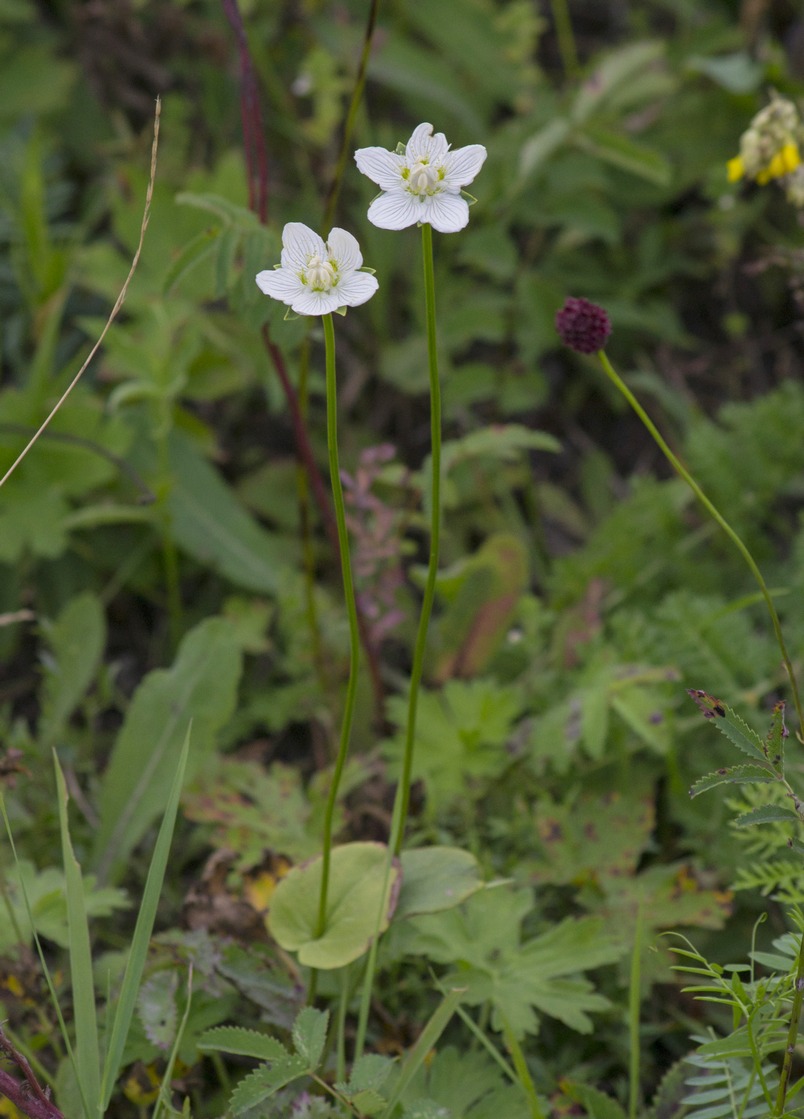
[[30, 1097], [257, 167], [253, 137]]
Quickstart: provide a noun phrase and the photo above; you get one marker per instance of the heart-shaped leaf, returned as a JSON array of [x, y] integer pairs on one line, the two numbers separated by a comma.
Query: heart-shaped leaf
[[361, 887]]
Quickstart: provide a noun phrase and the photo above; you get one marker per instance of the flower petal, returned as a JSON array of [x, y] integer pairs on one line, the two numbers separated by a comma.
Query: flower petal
[[280, 283], [395, 210], [381, 166], [463, 164], [424, 146], [344, 248], [316, 302], [446, 212], [356, 289], [299, 243]]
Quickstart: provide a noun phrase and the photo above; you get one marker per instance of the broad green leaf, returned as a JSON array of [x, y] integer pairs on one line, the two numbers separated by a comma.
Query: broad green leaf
[[135, 965], [483, 940], [87, 1048], [202, 687], [359, 888], [436, 878], [733, 775], [46, 891], [622, 69], [541, 146], [623, 152], [209, 522], [76, 640], [737, 72], [243, 1043], [197, 250], [484, 591]]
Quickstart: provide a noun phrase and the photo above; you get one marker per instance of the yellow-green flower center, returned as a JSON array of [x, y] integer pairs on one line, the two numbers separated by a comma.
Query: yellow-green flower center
[[423, 178], [320, 274]]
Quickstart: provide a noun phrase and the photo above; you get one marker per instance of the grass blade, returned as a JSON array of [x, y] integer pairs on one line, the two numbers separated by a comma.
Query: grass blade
[[424, 1043], [142, 932], [87, 1052]]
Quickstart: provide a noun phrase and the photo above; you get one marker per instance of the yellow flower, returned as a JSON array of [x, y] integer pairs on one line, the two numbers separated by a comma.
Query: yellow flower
[[786, 160], [735, 169]]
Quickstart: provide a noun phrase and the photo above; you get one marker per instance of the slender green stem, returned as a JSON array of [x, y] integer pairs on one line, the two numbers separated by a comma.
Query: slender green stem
[[716, 516], [351, 610], [402, 800], [305, 529], [792, 1033], [566, 37]]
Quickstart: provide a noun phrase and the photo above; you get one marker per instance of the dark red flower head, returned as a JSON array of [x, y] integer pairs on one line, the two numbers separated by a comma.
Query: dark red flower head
[[583, 326]]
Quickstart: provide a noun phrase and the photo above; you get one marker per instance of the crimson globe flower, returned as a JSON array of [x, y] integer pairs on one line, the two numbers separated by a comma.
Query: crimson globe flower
[[583, 326]]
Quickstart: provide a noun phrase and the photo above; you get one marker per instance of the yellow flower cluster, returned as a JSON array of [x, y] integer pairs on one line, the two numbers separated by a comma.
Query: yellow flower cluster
[[771, 149], [783, 163]]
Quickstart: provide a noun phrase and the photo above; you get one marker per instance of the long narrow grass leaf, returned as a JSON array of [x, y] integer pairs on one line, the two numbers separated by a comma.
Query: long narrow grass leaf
[[54, 999], [424, 1043], [142, 931], [87, 1050]]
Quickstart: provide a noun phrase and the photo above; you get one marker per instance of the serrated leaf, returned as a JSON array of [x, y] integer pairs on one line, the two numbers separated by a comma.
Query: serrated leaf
[[733, 775], [596, 1103], [243, 1043], [368, 1102], [728, 722], [767, 814], [310, 1034], [264, 1082], [369, 1072]]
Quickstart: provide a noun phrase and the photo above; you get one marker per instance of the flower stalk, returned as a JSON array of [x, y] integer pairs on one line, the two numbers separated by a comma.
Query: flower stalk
[[351, 610], [716, 516], [402, 799]]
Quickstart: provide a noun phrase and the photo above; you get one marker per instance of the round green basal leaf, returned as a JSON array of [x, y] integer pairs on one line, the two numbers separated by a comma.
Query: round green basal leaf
[[356, 881], [436, 878]]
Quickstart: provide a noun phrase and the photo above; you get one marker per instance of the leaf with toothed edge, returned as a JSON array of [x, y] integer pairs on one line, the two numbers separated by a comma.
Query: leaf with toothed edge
[[734, 775], [728, 722]]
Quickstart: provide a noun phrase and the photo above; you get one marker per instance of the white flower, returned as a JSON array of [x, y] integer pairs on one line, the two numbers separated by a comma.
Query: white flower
[[422, 182], [316, 278]]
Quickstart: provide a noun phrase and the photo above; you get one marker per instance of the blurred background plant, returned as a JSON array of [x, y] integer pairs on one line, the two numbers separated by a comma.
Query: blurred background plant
[[163, 542]]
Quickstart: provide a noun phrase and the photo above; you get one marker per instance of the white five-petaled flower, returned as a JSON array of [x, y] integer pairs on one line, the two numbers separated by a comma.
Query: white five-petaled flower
[[315, 278], [422, 182]]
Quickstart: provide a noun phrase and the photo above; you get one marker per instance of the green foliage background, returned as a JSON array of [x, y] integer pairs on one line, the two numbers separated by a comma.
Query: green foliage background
[[162, 558]]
